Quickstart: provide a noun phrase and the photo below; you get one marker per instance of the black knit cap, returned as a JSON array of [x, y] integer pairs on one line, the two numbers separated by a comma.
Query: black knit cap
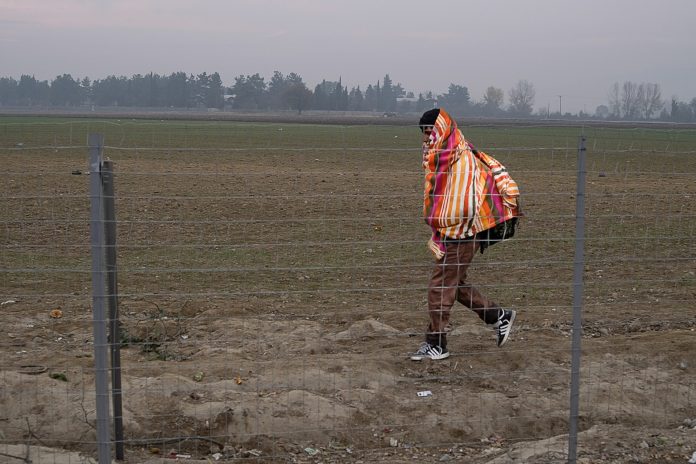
[[428, 118]]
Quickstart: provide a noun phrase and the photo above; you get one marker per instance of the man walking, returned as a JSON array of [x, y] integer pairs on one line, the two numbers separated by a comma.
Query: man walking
[[470, 203]]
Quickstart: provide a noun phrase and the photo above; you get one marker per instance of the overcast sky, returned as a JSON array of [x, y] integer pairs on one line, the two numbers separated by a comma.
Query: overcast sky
[[573, 48]]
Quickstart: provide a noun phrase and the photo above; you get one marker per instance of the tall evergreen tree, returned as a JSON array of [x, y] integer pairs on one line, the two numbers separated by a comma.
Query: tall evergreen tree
[[250, 92], [8, 91], [214, 95], [370, 101], [31, 92], [337, 96], [355, 99], [319, 96], [387, 97], [456, 100], [276, 88], [177, 90], [65, 91]]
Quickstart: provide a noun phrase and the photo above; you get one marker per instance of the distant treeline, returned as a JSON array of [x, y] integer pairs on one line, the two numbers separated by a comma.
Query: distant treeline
[[289, 92]]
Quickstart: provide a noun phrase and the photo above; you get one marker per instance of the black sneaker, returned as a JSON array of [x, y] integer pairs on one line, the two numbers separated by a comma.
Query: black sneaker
[[504, 325], [426, 350]]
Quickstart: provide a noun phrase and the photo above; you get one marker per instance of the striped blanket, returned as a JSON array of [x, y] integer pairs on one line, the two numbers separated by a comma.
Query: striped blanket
[[466, 190]]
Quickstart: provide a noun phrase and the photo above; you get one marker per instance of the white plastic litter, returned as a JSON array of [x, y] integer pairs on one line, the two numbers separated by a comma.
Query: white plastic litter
[[425, 393]]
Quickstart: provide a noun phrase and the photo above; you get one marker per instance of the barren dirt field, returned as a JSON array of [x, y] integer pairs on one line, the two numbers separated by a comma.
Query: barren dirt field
[[272, 281]]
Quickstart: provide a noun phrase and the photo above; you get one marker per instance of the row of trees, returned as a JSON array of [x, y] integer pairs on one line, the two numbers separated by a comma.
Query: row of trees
[[629, 101], [634, 101], [253, 92], [177, 90]]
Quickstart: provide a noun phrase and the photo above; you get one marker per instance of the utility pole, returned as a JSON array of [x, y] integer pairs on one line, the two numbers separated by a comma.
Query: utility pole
[[560, 107]]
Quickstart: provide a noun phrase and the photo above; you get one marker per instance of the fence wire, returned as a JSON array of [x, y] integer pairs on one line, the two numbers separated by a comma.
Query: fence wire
[[273, 278]]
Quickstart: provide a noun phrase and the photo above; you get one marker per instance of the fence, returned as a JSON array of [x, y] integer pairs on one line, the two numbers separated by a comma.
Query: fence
[[272, 279]]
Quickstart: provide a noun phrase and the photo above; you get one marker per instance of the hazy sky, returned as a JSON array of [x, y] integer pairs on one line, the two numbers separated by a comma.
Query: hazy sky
[[576, 49]]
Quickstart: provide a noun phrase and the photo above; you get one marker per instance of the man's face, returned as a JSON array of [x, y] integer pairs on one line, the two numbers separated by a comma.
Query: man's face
[[426, 134]]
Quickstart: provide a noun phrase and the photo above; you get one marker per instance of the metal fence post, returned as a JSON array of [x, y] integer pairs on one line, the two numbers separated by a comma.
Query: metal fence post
[[112, 286], [99, 319], [578, 268]]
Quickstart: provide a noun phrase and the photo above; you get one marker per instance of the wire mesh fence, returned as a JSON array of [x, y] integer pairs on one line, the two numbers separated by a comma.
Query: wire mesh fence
[[272, 279]]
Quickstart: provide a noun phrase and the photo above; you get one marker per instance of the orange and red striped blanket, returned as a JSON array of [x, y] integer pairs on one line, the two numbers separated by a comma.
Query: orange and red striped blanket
[[466, 190]]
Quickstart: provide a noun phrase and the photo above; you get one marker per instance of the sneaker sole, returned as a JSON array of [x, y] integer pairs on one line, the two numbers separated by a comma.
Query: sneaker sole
[[512, 320], [434, 358]]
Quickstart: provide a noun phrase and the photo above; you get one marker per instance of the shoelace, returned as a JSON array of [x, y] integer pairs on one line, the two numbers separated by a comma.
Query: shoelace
[[424, 348], [435, 350]]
